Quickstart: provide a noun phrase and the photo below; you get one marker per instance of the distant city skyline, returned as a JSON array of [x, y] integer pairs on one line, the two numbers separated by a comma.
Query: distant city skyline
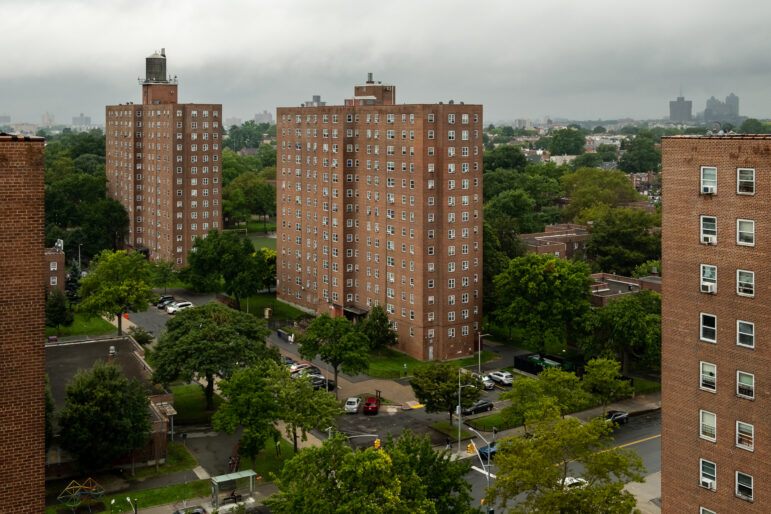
[[555, 59]]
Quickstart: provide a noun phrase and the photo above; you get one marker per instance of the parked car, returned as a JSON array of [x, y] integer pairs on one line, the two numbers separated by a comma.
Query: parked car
[[488, 450], [574, 483], [164, 300], [371, 405], [352, 405], [477, 407], [488, 382], [319, 381], [501, 377], [191, 510], [288, 360], [304, 368], [617, 416], [175, 307], [299, 365]]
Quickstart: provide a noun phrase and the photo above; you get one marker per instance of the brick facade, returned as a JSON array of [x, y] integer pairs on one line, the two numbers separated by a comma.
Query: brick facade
[[706, 322], [164, 165], [381, 203], [22, 431], [55, 269]]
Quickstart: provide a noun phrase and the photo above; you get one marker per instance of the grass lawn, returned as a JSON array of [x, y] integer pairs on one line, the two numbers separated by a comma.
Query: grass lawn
[[281, 310], [178, 458], [390, 363], [260, 241], [451, 431], [256, 226], [486, 423], [642, 386], [83, 326], [190, 402], [149, 498], [267, 464]]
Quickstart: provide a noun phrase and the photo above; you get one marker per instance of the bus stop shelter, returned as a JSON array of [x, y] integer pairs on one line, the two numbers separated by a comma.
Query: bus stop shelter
[[222, 479]]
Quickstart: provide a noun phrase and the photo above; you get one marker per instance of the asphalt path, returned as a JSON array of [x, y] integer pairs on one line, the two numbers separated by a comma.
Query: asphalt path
[[642, 434]]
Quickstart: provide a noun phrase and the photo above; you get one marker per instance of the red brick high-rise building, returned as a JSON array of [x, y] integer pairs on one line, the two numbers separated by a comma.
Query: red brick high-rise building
[[381, 203], [164, 166], [716, 302], [22, 331]]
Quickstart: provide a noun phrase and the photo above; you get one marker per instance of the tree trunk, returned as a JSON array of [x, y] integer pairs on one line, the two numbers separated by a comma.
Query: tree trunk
[[209, 392], [337, 385], [132, 463], [294, 436], [120, 323], [625, 363]]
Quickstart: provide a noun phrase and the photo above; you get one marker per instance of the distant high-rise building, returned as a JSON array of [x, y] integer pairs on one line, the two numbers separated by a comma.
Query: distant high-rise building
[[81, 121], [715, 359], [22, 403], [680, 110], [163, 165], [47, 119], [722, 111], [263, 117], [232, 121], [732, 105], [381, 203]]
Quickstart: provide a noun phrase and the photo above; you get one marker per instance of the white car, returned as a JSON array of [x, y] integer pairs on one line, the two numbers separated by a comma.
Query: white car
[[501, 377], [177, 306], [352, 405], [488, 382], [575, 483]]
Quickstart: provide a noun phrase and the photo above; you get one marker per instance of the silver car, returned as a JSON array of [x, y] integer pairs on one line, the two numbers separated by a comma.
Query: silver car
[[352, 405], [501, 377]]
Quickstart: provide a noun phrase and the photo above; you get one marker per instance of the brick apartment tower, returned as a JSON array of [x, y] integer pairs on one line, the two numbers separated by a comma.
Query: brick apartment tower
[[163, 165], [22, 334], [380, 203], [716, 359]]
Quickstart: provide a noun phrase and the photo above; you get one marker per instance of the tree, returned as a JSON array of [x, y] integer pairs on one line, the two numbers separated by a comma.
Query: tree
[[105, 416], [588, 187], [537, 467], [567, 142], [105, 224], [58, 311], [587, 160], [647, 269], [163, 273], [599, 129], [504, 157], [208, 341], [252, 404], [602, 378], [436, 386], [607, 152], [494, 263], [336, 342], [72, 282], [267, 266], [378, 330], [641, 155], [624, 238], [333, 478], [300, 405], [118, 283], [516, 206], [546, 299], [752, 126]]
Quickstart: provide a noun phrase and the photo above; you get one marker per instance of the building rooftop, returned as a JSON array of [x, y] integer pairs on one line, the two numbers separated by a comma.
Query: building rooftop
[[18, 137], [720, 136]]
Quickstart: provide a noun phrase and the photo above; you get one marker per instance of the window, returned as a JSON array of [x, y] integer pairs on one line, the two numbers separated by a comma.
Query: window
[[745, 333], [708, 279], [708, 474], [708, 180], [745, 181], [53, 266], [704, 510], [54, 281], [745, 232], [708, 377], [745, 282], [745, 385], [708, 328], [745, 435], [709, 230], [708, 425], [744, 485]]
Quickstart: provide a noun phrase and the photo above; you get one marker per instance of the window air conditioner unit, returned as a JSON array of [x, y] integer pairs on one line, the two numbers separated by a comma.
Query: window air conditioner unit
[[708, 190], [708, 287], [709, 240], [709, 484]]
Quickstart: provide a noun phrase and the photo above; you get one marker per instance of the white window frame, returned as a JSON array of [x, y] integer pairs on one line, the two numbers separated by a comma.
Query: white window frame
[[739, 333], [702, 326], [744, 441], [739, 181], [750, 396], [705, 510], [745, 287], [708, 182], [739, 232], [708, 275], [709, 435], [708, 236], [705, 374], [743, 496], [702, 475]]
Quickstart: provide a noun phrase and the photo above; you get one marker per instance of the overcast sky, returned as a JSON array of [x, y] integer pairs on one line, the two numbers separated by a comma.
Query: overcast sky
[[577, 59]]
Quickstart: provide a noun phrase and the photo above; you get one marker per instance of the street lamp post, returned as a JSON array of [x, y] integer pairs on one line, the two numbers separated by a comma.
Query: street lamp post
[[134, 505], [486, 466], [460, 410], [479, 350]]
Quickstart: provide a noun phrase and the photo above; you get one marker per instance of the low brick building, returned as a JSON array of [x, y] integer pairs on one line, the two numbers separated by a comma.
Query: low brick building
[[607, 287], [55, 264], [564, 240]]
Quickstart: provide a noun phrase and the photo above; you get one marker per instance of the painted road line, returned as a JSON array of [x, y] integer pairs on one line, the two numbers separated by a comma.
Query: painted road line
[[637, 442], [482, 471]]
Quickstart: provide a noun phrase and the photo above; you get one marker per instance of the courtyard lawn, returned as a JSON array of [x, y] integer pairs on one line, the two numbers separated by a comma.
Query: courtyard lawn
[[642, 386], [190, 403], [178, 458], [259, 226], [257, 304], [83, 326], [486, 423], [390, 363], [261, 241], [451, 431]]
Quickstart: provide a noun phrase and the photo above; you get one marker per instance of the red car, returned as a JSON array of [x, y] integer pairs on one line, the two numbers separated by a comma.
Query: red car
[[297, 366], [371, 406]]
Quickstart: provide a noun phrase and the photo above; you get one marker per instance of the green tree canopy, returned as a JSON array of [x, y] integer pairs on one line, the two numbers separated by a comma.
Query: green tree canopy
[[546, 299], [752, 126], [494, 263], [624, 238], [378, 330], [58, 310], [336, 342], [587, 160], [537, 467], [208, 341], [647, 268], [641, 155], [105, 416], [588, 187], [436, 386], [602, 378], [567, 141], [118, 283], [504, 157]]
